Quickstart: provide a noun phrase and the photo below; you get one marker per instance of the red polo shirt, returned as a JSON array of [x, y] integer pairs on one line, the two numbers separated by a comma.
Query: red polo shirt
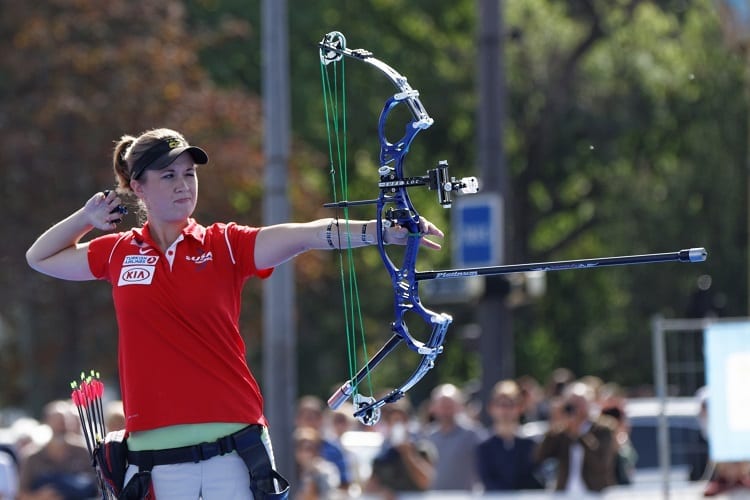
[[181, 356]]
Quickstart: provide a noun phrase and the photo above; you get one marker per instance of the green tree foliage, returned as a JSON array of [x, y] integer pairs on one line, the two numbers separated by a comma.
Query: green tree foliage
[[627, 135]]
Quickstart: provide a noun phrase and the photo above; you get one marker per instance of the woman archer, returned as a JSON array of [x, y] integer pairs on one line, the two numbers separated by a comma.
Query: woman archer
[[176, 288]]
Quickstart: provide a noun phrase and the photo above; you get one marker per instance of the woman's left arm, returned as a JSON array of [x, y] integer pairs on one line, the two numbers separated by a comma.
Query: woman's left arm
[[281, 242]]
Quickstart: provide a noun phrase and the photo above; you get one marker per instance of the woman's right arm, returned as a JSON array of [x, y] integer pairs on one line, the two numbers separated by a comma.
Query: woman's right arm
[[58, 253]]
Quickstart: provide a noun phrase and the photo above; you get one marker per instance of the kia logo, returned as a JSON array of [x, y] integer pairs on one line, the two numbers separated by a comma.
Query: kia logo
[[136, 274]]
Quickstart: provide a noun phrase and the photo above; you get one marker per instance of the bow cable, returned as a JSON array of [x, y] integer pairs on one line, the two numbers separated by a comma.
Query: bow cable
[[334, 98]]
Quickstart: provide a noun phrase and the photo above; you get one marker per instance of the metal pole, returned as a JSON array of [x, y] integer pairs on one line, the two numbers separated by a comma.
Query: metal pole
[[494, 316], [279, 325], [735, 22], [660, 376], [746, 53]]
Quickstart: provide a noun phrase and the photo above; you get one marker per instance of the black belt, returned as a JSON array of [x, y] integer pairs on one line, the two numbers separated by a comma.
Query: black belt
[[266, 483], [241, 440]]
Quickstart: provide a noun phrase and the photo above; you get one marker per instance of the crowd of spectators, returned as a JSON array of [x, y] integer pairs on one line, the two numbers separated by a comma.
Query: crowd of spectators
[[451, 442], [47, 459], [443, 445], [570, 435]]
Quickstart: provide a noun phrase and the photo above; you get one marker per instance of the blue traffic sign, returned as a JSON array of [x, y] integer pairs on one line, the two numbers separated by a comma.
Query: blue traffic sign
[[477, 228]]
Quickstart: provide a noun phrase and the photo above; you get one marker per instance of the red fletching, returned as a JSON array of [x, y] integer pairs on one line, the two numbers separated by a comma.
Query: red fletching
[[82, 394], [98, 388], [88, 390]]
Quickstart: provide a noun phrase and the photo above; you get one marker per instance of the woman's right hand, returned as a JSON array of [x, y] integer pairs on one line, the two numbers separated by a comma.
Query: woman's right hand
[[102, 210], [59, 253]]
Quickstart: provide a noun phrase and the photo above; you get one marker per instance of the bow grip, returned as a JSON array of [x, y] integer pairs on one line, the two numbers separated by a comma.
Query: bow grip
[[340, 396]]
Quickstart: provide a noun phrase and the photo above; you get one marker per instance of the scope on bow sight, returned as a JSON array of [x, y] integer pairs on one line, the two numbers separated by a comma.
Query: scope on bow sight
[[437, 179], [445, 185]]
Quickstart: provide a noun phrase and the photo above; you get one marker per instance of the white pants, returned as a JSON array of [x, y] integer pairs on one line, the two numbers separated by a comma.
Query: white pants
[[222, 477]]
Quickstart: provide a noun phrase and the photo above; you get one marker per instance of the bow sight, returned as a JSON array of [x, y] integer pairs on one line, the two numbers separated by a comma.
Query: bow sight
[[437, 179]]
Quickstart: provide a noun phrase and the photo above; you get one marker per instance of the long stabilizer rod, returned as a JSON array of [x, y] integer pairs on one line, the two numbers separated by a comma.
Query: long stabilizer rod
[[687, 255]]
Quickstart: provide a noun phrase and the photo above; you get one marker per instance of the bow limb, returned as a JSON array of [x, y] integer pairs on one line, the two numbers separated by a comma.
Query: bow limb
[[333, 49]]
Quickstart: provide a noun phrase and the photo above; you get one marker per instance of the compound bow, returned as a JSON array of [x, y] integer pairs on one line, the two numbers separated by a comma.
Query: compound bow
[[394, 207]]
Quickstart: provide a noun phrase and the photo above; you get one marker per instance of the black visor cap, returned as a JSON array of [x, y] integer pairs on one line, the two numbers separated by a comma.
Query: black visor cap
[[164, 152]]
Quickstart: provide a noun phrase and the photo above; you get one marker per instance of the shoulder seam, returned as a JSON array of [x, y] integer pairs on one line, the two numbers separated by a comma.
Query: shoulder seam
[[112, 252], [229, 246]]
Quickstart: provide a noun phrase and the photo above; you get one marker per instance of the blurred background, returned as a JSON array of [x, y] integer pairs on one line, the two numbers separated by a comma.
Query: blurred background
[[624, 131]]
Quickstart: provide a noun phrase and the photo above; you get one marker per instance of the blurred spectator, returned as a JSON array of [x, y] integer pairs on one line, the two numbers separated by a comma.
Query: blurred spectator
[[318, 478], [474, 404], [584, 449], [455, 439], [310, 414], [29, 435], [9, 463], [556, 417], [595, 384], [8, 473], [114, 416], [61, 469], [558, 380], [342, 421], [726, 477], [532, 397], [405, 463], [8, 444], [506, 460], [612, 402]]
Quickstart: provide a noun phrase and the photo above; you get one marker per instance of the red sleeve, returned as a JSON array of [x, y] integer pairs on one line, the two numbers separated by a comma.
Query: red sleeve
[[99, 253], [242, 244]]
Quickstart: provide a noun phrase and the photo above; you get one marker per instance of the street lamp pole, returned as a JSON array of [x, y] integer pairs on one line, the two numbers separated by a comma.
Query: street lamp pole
[[279, 326], [735, 23], [494, 315]]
